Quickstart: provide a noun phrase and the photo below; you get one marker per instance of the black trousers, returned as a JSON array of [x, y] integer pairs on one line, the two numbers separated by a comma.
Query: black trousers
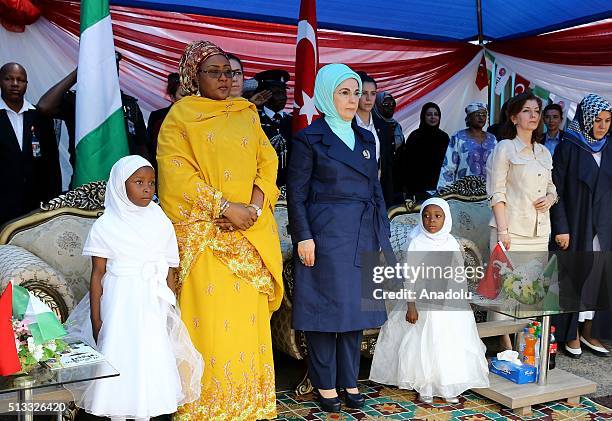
[[333, 359]]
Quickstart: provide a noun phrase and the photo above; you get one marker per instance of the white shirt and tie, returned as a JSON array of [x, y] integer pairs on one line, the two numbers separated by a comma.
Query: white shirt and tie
[[370, 127], [272, 114], [16, 118]]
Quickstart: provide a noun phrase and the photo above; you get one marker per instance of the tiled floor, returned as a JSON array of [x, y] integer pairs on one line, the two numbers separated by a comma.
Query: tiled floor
[[391, 403]]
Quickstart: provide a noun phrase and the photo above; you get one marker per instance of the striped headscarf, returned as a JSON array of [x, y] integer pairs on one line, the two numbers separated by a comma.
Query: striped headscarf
[[582, 126], [194, 54]]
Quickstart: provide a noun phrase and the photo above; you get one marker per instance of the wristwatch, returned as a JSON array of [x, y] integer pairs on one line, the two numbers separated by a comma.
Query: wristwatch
[[257, 209]]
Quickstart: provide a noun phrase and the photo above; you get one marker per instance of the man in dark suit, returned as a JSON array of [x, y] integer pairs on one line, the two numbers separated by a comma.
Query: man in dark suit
[[383, 135], [274, 121], [29, 160]]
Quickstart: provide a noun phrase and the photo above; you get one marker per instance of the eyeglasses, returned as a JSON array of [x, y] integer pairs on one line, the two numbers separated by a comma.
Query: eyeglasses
[[236, 73], [480, 114], [216, 74]]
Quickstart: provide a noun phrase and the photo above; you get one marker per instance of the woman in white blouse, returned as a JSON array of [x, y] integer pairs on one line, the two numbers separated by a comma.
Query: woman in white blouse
[[519, 183]]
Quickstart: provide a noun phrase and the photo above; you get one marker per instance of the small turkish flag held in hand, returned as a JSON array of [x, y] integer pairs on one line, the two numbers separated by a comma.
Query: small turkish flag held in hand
[[306, 65], [491, 284]]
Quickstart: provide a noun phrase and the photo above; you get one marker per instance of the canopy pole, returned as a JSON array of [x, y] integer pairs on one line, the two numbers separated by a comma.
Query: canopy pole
[[479, 17]]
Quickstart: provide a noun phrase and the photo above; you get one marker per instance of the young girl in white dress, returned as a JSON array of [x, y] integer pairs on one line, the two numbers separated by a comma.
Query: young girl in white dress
[[435, 352], [129, 314]]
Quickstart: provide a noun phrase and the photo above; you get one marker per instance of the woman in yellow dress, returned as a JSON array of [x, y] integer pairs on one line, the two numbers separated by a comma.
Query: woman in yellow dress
[[217, 183]]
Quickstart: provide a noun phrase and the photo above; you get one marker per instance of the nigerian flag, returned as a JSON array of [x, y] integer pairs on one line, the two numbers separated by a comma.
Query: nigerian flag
[[100, 128], [36, 315]]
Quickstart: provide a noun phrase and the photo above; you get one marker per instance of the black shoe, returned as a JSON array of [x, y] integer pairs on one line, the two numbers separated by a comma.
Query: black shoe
[[329, 404], [354, 400], [574, 353], [597, 350]]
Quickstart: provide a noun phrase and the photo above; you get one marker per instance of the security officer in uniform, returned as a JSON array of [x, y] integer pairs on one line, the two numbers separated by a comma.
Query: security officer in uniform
[[274, 121], [60, 102]]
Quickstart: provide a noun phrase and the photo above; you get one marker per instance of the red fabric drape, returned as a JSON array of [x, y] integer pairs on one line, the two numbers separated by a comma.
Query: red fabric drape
[[152, 41], [588, 45]]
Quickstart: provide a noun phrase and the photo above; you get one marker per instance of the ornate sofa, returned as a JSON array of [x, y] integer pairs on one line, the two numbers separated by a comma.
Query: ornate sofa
[[42, 251], [469, 207]]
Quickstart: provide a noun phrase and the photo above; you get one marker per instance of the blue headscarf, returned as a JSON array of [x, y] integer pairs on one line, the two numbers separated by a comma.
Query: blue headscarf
[[580, 129], [328, 79]]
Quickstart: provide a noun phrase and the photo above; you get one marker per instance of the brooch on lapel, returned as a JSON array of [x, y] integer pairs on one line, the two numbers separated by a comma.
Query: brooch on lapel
[[366, 154]]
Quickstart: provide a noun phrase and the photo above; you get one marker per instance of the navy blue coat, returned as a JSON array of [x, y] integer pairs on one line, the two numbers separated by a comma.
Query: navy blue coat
[[583, 210], [334, 197]]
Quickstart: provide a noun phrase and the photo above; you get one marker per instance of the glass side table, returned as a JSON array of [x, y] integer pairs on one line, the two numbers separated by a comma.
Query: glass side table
[[551, 385], [43, 377]]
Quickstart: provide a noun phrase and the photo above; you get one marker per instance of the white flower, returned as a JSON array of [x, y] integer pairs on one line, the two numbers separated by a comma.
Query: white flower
[[36, 350], [17, 344], [31, 345], [516, 288], [51, 345]]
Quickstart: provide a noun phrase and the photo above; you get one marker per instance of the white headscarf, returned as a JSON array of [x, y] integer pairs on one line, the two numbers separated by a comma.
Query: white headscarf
[[128, 230], [423, 240]]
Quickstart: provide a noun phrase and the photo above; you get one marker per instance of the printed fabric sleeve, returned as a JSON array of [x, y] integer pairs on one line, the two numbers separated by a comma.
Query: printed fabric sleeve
[[448, 172], [184, 194]]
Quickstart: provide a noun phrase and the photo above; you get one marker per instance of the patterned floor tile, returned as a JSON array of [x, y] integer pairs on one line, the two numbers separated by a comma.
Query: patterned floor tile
[[389, 403]]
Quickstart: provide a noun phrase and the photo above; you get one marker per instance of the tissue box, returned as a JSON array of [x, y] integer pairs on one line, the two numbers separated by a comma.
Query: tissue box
[[519, 374]]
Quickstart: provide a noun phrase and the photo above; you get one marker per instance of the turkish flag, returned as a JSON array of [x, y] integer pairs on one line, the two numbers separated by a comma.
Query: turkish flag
[[9, 361], [306, 65], [482, 80], [520, 84], [490, 285]]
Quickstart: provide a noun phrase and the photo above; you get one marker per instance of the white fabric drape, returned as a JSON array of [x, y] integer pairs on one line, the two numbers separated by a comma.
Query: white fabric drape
[[571, 82], [451, 97]]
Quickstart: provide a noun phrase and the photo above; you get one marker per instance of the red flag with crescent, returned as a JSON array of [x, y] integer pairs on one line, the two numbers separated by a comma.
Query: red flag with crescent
[[306, 65], [482, 79], [520, 84]]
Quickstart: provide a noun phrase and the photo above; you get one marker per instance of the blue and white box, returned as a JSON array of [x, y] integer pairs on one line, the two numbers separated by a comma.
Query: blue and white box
[[516, 373]]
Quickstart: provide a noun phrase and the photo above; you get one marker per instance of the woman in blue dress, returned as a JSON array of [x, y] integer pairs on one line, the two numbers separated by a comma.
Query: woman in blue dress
[[469, 148], [337, 215]]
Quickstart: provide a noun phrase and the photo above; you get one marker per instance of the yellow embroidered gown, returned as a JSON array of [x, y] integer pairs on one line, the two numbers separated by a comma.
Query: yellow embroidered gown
[[230, 282]]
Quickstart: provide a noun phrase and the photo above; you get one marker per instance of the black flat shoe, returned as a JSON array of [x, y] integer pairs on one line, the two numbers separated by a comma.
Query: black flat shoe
[[597, 350], [329, 404], [574, 353], [354, 400]]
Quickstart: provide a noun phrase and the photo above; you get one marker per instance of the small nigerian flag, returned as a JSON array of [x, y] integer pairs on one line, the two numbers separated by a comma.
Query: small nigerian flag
[[36, 315]]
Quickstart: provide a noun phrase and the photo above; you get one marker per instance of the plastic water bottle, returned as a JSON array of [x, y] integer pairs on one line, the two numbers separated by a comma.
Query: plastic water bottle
[[529, 352], [552, 349]]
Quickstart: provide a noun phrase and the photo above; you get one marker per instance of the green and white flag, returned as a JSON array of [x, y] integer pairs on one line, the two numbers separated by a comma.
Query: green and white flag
[[35, 314], [541, 93], [101, 139]]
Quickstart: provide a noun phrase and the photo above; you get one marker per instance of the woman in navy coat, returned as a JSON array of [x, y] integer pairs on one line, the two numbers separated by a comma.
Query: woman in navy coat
[[337, 215], [582, 220]]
